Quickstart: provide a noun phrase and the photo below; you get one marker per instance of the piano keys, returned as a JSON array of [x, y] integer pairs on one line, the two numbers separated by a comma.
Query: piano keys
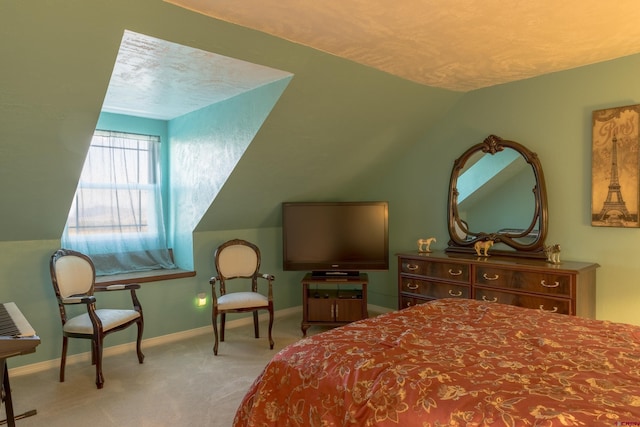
[[16, 334], [17, 337], [13, 322]]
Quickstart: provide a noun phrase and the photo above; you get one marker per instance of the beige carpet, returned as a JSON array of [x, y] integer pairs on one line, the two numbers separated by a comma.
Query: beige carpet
[[179, 384]]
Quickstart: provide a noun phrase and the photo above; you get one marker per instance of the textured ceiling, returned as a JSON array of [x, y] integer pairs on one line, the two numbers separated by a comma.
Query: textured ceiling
[[161, 80], [458, 44]]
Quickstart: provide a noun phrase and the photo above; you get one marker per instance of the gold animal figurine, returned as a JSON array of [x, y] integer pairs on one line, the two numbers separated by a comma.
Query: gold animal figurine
[[553, 253], [481, 246], [424, 245]]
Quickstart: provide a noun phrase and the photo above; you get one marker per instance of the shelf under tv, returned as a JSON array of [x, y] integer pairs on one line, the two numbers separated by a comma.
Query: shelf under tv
[[326, 302], [334, 273]]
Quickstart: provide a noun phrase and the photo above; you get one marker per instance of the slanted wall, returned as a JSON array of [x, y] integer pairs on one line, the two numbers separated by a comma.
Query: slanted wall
[[205, 146]]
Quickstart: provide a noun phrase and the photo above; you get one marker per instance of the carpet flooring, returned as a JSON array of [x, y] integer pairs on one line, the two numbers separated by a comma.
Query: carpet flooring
[[179, 384]]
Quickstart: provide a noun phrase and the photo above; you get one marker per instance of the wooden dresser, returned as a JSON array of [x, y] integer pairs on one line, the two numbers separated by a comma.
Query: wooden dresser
[[568, 288]]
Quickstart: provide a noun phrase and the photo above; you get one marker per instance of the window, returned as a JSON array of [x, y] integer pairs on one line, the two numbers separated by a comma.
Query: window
[[116, 214]]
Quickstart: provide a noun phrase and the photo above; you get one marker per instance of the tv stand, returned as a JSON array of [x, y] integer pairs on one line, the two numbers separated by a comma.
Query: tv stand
[[333, 273], [333, 300]]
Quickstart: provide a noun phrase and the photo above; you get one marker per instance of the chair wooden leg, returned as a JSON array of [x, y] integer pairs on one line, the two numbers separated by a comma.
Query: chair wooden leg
[[256, 326], [63, 359], [214, 322], [139, 342], [270, 327], [99, 376], [94, 350], [223, 321]]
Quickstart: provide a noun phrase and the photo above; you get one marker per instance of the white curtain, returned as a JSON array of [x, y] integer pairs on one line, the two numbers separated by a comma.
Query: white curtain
[[116, 217]]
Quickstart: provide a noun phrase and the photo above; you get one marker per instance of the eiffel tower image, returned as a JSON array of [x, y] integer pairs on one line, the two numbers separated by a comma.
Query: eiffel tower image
[[614, 201]]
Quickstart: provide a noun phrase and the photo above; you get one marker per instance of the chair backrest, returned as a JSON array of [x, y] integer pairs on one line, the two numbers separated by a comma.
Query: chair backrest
[[237, 258], [72, 273]]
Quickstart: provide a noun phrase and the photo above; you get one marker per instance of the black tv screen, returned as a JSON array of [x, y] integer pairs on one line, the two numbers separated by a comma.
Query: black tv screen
[[332, 238]]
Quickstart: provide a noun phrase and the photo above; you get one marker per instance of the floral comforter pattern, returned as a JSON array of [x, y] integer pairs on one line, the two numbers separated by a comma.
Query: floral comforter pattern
[[454, 362]]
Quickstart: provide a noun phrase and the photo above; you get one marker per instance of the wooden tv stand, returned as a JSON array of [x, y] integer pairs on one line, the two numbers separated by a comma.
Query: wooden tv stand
[[333, 301]]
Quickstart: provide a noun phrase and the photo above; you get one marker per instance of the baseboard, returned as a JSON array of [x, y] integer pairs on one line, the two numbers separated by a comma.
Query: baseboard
[[150, 342], [162, 340]]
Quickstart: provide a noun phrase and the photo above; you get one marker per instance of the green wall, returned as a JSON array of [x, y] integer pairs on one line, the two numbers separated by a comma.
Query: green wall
[[551, 115], [336, 125], [169, 306], [339, 131], [205, 147]]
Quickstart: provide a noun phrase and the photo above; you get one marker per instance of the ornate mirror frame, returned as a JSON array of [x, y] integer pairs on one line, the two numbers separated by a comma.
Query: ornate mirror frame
[[463, 240]]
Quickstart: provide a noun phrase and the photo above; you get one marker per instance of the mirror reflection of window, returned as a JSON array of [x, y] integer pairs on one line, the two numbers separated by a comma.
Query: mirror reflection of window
[[496, 192]]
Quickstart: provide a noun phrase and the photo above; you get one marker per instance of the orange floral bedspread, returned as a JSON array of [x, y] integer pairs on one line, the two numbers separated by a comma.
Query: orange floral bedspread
[[454, 362]]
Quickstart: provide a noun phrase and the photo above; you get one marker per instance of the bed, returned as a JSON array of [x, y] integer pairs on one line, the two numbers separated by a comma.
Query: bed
[[454, 362]]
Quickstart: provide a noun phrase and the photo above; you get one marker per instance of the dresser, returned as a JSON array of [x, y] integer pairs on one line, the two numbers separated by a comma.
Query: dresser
[[567, 288]]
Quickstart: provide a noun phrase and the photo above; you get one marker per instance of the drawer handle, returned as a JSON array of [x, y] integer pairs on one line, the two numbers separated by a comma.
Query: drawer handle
[[412, 286], [455, 294], [412, 267], [455, 273], [495, 299], [496, 277], [546, 285], [554, 310]]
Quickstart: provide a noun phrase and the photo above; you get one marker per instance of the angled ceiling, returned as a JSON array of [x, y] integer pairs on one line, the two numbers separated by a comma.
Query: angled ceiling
[[157, 79], [53, 84], [459, 45]]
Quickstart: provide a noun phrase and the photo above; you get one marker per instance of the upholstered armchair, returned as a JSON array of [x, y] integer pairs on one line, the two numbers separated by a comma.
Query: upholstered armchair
[[239, 259], [73, 279]]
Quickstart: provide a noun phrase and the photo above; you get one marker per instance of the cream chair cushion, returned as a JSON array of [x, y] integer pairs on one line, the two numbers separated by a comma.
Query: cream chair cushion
[[110, 319], [239, 260], [235, 300], [74, 275]]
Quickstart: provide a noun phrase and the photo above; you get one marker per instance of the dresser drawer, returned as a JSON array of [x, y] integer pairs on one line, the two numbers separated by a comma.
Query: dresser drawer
[[567, 288], [556, 305], [431, 289], [450, 271], [527, 281]]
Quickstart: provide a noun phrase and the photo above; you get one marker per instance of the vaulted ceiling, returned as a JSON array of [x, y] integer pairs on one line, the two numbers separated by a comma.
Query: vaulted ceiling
[[56, 75], [157, 79], [341, 115], [459, 45]]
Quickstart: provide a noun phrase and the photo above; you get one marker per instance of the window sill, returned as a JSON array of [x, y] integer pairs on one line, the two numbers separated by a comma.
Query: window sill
[[142, 277]]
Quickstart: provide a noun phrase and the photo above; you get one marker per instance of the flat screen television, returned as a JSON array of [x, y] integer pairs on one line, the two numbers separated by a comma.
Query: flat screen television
[[335, 238]]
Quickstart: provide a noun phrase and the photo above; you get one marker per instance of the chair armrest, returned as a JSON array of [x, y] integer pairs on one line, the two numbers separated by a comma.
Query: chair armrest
[[214, 295], [78, 299], [270, 278], [131, 287], [116, 287]]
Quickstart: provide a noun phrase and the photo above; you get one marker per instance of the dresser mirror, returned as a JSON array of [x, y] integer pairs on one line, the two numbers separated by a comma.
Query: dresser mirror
[[497, 192]]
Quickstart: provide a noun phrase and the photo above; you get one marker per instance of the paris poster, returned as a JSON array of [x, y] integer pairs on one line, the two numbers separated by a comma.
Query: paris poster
[[614, 178]]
